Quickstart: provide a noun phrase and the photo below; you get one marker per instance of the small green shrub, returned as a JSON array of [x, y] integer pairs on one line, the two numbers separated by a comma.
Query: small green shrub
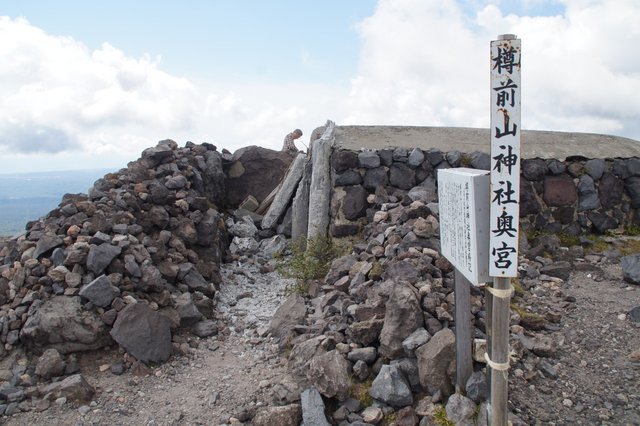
[[376, 271], [630, 247], [529, 320], [440, 417], [310, 260], [390, 418], [569, 240], [599, 245], [632, 230], [518, 290], [360, 391]]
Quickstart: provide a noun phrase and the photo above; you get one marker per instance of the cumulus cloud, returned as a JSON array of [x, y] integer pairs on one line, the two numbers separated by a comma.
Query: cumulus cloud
[[422, 62], [63, 101], [56, 93], [425, 62]]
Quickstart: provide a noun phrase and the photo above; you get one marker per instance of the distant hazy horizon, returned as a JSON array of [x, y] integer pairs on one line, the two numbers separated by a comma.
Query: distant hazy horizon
[[29, 196]]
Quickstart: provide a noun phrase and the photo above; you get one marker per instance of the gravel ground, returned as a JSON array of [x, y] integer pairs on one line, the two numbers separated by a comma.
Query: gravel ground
[[229, 375], [594, 375], [591, 375]]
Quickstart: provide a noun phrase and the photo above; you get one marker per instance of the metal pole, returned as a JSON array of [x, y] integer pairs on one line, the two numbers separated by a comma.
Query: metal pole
[[464, 361], [500, 353], [488, 298]]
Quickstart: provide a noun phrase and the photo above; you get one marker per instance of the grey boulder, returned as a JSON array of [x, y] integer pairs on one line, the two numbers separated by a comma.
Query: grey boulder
[[143, 333], [62, 324], [100, 291], [631, 268]]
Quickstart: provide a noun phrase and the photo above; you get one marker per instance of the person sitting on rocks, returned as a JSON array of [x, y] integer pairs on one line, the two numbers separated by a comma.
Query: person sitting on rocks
[[289, 144]]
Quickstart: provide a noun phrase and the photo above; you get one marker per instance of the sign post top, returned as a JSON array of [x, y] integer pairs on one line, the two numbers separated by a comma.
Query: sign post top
[[507, 37]]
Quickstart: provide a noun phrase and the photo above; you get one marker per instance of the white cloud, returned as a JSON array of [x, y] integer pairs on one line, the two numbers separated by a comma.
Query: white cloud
[[60, 100], [422, 62], [56, 94], [425, 62]]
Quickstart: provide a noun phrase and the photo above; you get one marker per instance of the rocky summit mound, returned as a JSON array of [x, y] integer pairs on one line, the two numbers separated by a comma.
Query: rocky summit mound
[[129, 263], [151, 232], [144, 302]]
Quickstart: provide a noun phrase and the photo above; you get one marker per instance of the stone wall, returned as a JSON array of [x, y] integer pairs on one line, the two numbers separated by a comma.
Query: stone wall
[[574, 196]]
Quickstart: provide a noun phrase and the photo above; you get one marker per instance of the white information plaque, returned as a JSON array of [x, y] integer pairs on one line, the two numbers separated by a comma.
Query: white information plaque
[[463, 198]]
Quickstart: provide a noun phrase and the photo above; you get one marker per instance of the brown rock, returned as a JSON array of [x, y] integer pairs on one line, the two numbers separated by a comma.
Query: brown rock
[[255, 171], [559, 191]]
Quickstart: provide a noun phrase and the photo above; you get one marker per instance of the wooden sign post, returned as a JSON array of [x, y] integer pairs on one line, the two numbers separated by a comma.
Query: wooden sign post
[[505, 210], [463, 198]]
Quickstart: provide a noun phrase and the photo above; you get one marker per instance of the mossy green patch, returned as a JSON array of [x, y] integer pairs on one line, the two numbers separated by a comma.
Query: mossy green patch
[[310, 260], [440, 417]]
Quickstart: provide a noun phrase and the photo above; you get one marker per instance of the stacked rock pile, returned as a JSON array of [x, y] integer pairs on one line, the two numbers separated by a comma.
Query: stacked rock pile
[[378, 339], [134, 259]]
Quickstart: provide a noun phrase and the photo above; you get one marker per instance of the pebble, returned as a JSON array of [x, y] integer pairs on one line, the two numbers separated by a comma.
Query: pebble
[[84, 410], [567, 402]]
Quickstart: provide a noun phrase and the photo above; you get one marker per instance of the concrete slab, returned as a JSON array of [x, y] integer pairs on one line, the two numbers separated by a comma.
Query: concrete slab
[[535, 143]]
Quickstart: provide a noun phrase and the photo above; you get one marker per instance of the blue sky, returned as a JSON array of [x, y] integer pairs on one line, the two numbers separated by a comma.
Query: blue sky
[[91, 84], [239, 39]]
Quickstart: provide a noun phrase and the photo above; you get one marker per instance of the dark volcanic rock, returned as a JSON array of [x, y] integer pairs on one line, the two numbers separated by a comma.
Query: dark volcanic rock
[[45, 243], [355, 202], [610, 190], [100, 257], [534, 169], [144, 333], [402, 176], [374, 178], [100, 292], [344, 160], [391, 387], [631, 268], [349, 177], [434, 358], [61, 323]]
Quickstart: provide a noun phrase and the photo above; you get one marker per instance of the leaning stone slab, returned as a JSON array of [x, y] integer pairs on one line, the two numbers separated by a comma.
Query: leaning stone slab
[[288, 315], [281, 201], [300, 206], [403, 316], [320, 188]]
